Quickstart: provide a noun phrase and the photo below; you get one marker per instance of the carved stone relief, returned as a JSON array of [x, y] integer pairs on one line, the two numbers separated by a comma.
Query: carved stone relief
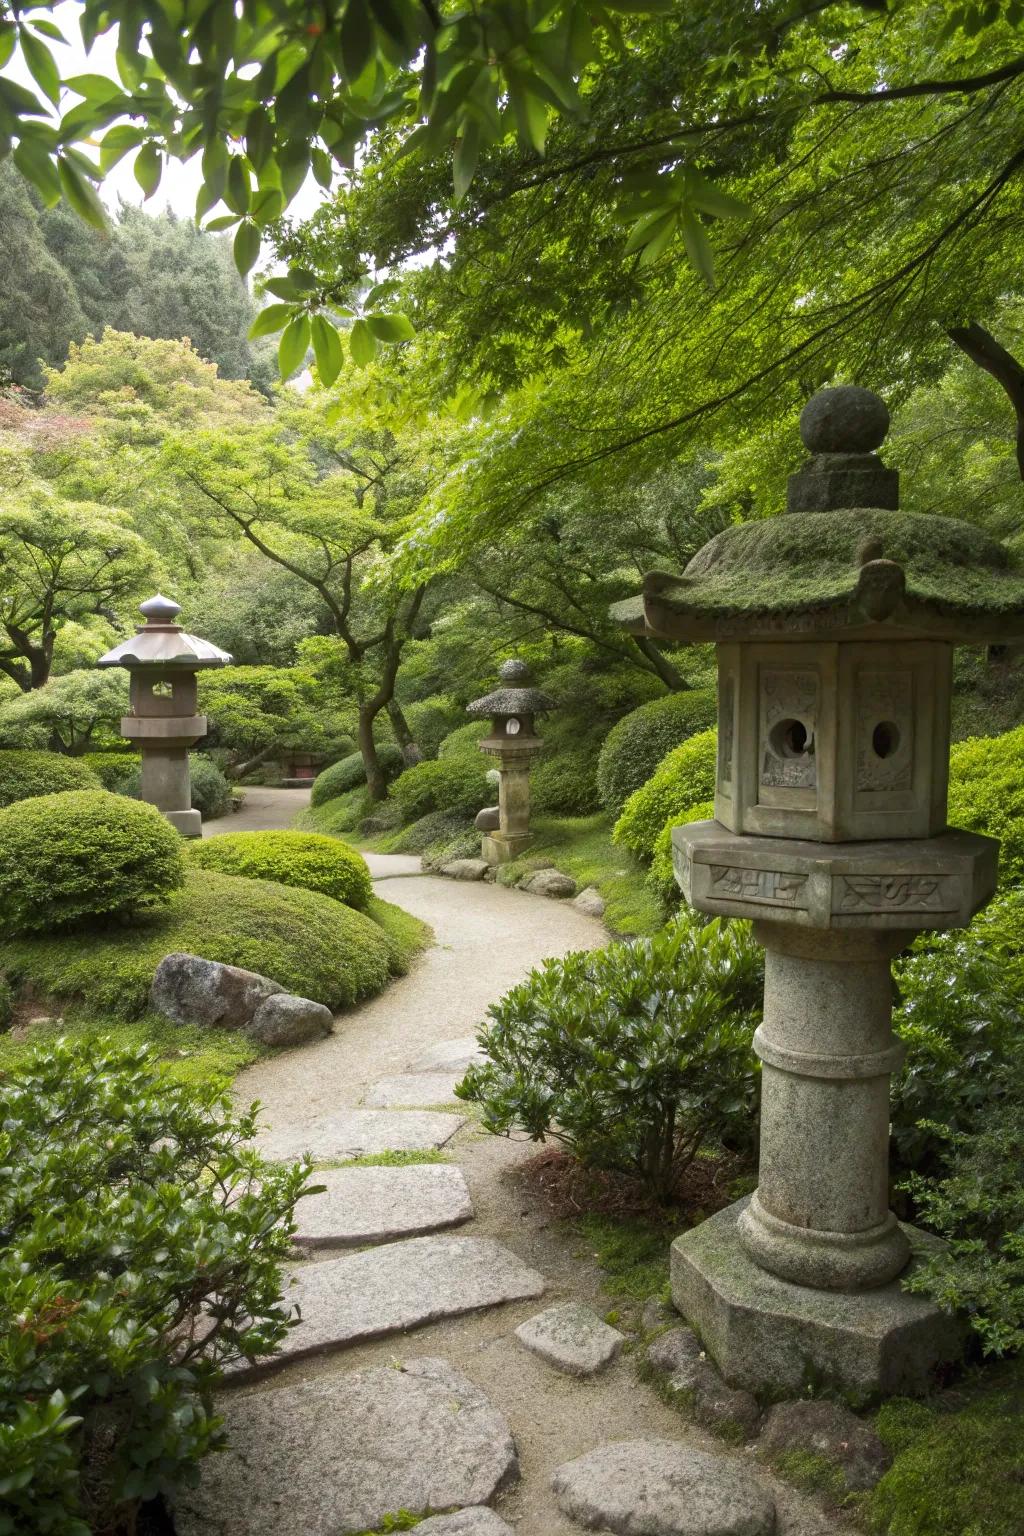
[[789, 712], [777, 886], [885, 731], [893, 893]]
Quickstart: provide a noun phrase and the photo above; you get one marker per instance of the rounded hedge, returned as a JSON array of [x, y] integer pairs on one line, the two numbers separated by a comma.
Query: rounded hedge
[[443, 784], [83, 854], [636, 745], [112, 768], [349, 773], [662, 876], [465, 742], [306, 859], [24, 773], [684, 778], [986, 794], [564, 784], [211, 792]]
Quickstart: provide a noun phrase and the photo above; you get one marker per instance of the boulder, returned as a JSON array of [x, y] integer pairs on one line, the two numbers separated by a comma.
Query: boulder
[[830, 1431], [465, 869], [479, 1521], [691, 1376], [590, 902], [488, 820], [572, 1338], [189, 990], [549, 882], [284, 1019]]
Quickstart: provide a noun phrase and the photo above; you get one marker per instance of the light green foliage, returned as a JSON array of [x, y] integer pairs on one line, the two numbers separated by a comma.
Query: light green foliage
[[258, 711], [210, 790], [394, 1159], [350, 773], [42, 773], [443, 784], [986, 794], [77, 709], [339, 815], [192, 1054], [582, 847], [662, 872], [432, 720], [144, 1249], [684, 778], [633, 1056], [83, 854], [311, 944], [564, 783], [637, 744], [632, 1253], [111, 767], [305, 859], [464, 740]]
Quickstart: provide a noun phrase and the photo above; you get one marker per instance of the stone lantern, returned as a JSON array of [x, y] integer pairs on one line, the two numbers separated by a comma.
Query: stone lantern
[[162, 661], [835, 626], [515, 743]]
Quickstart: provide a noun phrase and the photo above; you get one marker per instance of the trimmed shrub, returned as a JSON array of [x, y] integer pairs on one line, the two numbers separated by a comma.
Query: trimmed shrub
[[349, 773], [443, 784], [431, 720], [311, 944], [306, 859], [986, 794], [210, 790], [112, 768], [633, 1056], [465, 741], [684, 778], [564, 784], [83, 854], [662, 877], [23, 774], [637, 744], [142, 1252]]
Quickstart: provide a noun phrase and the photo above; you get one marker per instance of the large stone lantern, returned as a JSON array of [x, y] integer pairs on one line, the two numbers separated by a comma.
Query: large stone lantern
[[514, 742], [162, 661], [834, 626]]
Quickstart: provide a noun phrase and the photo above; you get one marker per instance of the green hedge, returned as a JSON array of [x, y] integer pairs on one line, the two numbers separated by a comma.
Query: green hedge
[[465, 742], [112, 768], [210, 790], [431, 720], [443, 784], [662, 874], [82, 854], [349, 773], [25, 773], [305, 859], [637, 744], [686, 777], [564, 784], [986, 794]]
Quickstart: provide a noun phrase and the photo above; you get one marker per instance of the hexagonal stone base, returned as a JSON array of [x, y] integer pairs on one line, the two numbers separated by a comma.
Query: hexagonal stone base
[[766, 1334]]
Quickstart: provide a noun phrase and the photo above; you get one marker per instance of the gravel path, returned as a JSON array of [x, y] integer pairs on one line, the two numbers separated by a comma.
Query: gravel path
[[263, 810]]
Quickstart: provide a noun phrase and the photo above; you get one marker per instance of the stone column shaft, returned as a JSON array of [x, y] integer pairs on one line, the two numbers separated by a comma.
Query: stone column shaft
[[514, 796]]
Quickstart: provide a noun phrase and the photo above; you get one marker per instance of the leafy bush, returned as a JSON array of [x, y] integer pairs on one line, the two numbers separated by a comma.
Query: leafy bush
[[342, 813], [662, 875], [564, 784], [442, 784], [306, 859], [986, 794], [349, 773], [637, 744], [465, 742], [311, 944], [75, 708], [431, 720], [141, 1251], [23, 774], [210, 790], [83, 854], [634, 1056], [684, 778], [111, 768]]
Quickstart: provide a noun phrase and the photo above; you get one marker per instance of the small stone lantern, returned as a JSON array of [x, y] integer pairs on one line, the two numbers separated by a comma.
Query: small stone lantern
[[162, 661], [515, 743], [835, 626]]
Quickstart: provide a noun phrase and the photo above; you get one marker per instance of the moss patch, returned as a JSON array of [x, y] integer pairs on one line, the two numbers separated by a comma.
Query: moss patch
[[193, 1055], [633, 1254], [394, 1159]]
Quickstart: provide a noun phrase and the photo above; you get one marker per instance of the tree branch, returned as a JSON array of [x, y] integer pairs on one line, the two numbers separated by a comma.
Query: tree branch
[[982, 348]]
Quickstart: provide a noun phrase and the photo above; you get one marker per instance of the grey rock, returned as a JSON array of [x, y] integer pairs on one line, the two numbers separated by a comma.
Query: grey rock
[[381, 1291], [680, 1356], [450, 1056], [844, 419], [189, 990], [660, 1488], [489, 819], [657, 1314], [549, 882], [465, 869], [677, 1353], [466, 1522], [339, 1455], [412, 1090], [590, 902], [571, 1338], [828, 1430], [284, 1019], [358, 1133], [380, 1205]]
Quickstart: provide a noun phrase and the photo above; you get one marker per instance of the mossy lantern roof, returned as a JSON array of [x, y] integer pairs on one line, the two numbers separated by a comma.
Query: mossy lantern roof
[[515, 697], [843, 562], [161, 643]]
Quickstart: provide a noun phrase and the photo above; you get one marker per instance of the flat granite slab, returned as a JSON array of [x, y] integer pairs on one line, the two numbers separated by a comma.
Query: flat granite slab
[[412, 1090], [358, 1133], [386, 1290], [661, 1488], [338, 1456], [571, 1338], [450, 1056], [466, 1522], [379, 1205]]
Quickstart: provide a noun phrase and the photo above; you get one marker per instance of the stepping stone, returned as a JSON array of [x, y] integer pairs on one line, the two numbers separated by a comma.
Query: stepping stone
[[660, 1488], [339, 1456], [378, 1205], [413, 1089], [450, 1056], [386, 1290], [466, 1522], [571, 1338], [357, 1133]]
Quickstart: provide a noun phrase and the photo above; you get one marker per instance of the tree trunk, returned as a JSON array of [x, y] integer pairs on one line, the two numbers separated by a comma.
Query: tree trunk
[[982, 348], [662, 666], [239, 770], [411, 753], [375, 780]]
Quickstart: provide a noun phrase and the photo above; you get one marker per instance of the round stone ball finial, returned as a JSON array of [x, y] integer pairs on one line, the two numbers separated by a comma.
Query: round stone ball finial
[[160, 609], [846, 419], [514, 672]]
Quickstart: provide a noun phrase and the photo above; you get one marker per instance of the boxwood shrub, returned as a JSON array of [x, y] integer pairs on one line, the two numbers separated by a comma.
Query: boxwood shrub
[[112, 768], [349, 773], [465, 741], [307, 859], [635, 746], [986, 794], [564, 784], [443, 784], [211, 792], [83, 854], [24, 773], [684, 778]]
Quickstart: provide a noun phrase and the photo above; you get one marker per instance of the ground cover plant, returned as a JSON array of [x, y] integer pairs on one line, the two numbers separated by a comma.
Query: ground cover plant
[[305, 859], [141, 1252]]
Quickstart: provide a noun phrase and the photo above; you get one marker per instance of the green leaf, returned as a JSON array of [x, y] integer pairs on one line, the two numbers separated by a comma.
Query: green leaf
[[328, 350], [650, 227], [48, 29], [467, 153], [41, 65], [391, 328], [267, 205], [148, 168], [323, 167], [356, 39], [708, 198], [237, 193], [8, 38], [96, 89], [698, 247], [531, 116], [116, 143], [381, 291], [362, 344], [37, 166], [294, 345], [223, 221], [246, 246], [81, 195], [270, 320]]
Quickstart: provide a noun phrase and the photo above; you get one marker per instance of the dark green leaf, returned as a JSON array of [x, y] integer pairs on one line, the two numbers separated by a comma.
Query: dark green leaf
[[246, 246], [698, 247], [37, 166], [148, 168], [357, 43], [80, 194], [116, 143], [467, 153], [41, 65], [237, 193]]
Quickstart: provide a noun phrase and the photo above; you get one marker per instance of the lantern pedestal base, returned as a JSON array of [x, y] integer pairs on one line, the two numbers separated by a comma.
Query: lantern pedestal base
[[503, 847], [769, 1335], [188, 823]]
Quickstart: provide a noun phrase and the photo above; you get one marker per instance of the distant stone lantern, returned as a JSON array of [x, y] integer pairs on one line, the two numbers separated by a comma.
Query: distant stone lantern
[[514, 742], [162, 661], [835, 626]]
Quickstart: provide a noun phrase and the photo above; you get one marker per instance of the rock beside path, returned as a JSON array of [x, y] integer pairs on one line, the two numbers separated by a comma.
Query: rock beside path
[[590, 902], [466, 1522], [450, 1056], [284, 1019], [380, 1205], [660, 1488], [692, 1377], [190, 990], [339, 1456], [465, 869], [572, 1338], [413, 1090], [358, 1133], [549, 882], [830, 1431]]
